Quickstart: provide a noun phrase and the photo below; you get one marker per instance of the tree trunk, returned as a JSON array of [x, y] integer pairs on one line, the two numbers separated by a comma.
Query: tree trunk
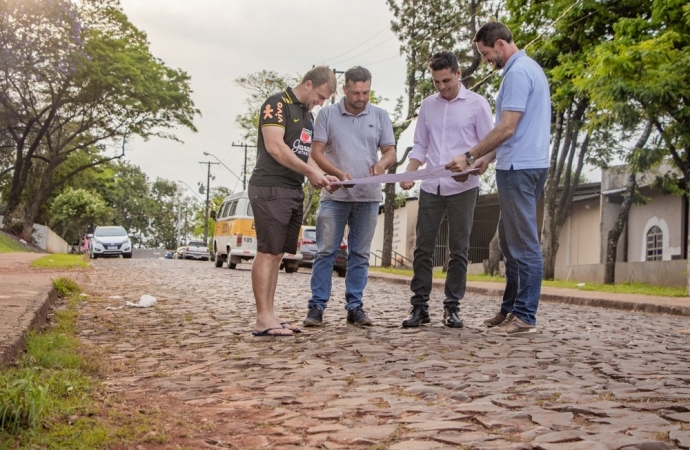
[[687, 195], [389, 213], [388, 216], [492, 266], [557, 209], [623, 214], [615, 233], [307, 202]]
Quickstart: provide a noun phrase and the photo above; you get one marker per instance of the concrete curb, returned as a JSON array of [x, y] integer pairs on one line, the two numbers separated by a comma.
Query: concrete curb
[[32, 320], [656, 305]]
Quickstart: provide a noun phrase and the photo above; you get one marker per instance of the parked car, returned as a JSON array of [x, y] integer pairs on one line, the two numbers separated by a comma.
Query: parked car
[[309, 249], [109, 241], [194, 250]]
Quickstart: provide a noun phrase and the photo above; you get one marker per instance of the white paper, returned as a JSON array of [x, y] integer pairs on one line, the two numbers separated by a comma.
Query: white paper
[[429, 173]]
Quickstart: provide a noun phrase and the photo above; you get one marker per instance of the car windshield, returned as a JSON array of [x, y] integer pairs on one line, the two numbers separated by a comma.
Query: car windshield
[[114, 231], [197, 244]]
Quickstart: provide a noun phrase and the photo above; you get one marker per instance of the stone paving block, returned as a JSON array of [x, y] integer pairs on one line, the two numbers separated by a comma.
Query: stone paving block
[[680, 437], [441, 425], [559, 437], [680, 417], [580, 445], [416, 445], [515, 419]]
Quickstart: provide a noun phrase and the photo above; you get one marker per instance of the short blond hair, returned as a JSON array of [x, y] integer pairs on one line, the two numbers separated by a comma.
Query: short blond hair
[[319, 76]]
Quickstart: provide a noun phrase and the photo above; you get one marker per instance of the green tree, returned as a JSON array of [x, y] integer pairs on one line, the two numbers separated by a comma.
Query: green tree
[[260, 86], [424, 27], [642, 73], [163, 223], [560, 36], [76, 210], [76, 78]]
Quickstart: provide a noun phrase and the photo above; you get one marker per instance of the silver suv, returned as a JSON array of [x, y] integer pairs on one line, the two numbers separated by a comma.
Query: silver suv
[[110, 241]]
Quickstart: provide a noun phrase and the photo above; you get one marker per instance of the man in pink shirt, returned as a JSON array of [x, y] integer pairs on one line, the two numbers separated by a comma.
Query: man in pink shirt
[[450, 122]]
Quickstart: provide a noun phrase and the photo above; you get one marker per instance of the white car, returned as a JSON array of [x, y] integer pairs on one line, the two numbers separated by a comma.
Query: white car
[[194, 250], [110, 241]]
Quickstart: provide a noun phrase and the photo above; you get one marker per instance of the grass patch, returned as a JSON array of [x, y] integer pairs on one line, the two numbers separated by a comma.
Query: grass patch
[[47, 400], [53, 397], [623, 288], [60, 261], [8, 244]]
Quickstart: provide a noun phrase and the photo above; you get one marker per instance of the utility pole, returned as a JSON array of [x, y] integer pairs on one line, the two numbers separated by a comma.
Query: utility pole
[[208, 193], [335, 72], [244, 169]]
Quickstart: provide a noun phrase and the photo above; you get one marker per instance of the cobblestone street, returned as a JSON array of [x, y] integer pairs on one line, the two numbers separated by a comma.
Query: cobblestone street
[[591, 378]]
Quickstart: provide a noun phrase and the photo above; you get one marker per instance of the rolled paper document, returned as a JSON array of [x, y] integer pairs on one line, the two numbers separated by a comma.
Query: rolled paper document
[[429, 173]]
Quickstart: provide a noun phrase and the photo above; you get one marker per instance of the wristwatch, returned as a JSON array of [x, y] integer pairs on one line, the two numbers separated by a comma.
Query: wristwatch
[[470, 158]]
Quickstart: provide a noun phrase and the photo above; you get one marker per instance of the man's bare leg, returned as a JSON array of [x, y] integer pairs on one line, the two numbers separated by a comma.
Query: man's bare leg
[[264, 280]]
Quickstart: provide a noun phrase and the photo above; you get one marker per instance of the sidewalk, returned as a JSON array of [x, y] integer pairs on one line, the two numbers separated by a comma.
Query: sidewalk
[[26, 299]]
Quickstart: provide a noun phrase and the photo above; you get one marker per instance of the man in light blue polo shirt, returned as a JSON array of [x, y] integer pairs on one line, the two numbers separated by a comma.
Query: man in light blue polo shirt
[[347, 138], [520, 140]]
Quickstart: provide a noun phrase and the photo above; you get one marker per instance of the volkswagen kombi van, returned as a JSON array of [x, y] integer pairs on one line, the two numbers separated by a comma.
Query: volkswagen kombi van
[[234, 238]]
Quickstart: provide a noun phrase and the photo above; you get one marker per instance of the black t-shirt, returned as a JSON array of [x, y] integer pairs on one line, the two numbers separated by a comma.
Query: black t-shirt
[[283, 110]]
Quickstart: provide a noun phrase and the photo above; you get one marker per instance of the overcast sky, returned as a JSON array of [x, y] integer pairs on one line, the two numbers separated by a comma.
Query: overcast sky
[[217, 41]]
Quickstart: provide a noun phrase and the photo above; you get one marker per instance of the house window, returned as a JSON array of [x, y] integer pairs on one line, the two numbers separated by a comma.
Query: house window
[[654, 244]]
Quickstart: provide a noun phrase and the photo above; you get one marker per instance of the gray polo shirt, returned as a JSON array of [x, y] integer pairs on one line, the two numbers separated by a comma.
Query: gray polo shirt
[[352, 144]]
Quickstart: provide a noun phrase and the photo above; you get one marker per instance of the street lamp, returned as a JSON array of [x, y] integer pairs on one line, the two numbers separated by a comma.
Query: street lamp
[[193, 191], [235, 175]]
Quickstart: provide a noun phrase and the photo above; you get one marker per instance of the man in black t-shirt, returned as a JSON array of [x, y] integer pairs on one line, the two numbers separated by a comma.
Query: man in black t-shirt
[[275, 190]]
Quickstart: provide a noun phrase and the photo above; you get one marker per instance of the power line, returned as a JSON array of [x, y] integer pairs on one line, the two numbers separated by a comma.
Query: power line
[[357, 46], [366, 51]]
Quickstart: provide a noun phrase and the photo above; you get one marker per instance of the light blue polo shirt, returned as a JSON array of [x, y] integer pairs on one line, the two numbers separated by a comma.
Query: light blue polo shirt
[[352, 144], [524, 88]]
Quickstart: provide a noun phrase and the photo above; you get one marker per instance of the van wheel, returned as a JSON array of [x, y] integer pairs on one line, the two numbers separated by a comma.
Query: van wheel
[[341, 272], [219, 261], [291, 267], [232, 265]]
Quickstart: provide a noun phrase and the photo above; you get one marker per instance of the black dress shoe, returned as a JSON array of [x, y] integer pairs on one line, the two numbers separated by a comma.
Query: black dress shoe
[[419, 314], [451, 318]]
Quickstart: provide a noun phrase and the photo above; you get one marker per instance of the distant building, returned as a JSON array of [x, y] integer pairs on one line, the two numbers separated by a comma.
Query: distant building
[[652, 248]]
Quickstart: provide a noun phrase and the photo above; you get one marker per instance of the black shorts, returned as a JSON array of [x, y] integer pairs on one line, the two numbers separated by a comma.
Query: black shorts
[[278, 215]]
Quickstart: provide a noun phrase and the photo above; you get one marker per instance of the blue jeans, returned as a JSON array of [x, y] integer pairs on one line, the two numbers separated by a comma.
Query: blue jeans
[[432, 209], [518, 238], [331, 219]]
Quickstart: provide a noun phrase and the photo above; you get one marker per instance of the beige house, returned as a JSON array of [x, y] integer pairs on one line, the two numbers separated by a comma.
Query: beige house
[[651, 249]]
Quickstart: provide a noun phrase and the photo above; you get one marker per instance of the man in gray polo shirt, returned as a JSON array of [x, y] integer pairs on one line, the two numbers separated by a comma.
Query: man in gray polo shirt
[[347, 137]]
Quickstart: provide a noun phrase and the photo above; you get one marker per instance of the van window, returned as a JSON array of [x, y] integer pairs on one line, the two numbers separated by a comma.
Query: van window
[[250, 212], [233, 208], [221, 211]]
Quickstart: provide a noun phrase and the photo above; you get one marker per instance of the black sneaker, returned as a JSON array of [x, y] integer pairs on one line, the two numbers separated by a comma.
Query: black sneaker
[[358, 317], [314, 317]]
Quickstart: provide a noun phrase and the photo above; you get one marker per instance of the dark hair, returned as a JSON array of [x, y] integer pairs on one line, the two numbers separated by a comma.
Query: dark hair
[[490, 32], [319, 76], [357, 74], [444, 60]]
